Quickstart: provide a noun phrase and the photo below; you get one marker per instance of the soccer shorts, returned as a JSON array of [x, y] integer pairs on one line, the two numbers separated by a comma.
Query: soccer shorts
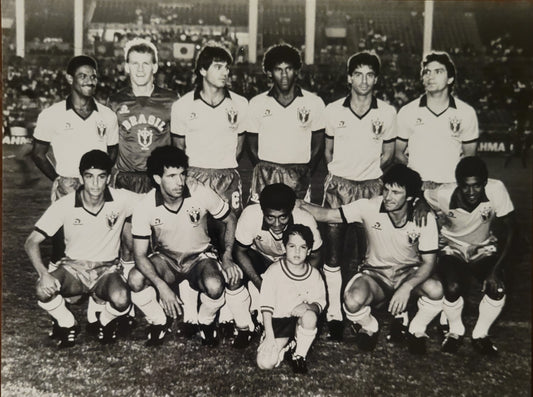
[[89, 273], [388, 279], [138, 182], [284, 327], [296, 176], [225, 181], [64, 185], [470, 252], [339, 191]]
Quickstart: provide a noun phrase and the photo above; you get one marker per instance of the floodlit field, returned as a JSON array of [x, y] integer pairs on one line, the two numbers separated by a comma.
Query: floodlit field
[[33, 366]]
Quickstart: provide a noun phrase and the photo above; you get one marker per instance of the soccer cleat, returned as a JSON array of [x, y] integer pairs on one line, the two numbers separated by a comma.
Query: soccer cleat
[[67, 336], [242, 339], [298, 364], [287, 352], [335, 330], [417, 343], [397, 332], [108, 333], [365, 341], [226, 330], [451, 343], [125, 325], [187, 330], [54, 332], [209, 334], [156, 334], [484, 346]]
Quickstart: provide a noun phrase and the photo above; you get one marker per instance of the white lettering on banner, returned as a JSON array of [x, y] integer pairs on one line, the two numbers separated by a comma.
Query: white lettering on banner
[[491, 147], [16, 140]]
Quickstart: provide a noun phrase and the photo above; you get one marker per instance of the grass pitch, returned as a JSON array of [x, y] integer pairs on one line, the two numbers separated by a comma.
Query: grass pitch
[[33, 366]]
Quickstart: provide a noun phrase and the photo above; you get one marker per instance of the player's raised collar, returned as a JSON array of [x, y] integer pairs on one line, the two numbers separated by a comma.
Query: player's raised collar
[[78, 202], [456, 202], [297, 91], [197, 95], [92, 104], [159, 200], [424, 102], [348, 99]]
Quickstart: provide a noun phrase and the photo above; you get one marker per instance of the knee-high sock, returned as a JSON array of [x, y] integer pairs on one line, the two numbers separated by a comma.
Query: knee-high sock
[[209, 308], [239, 303], [333, 284], [58, 310], [489, 310], [453, 312], [363, 317], [225, 315], [146, 301], [189, 297], [93, 308], [427, 310], [109, 314], [304, 339]]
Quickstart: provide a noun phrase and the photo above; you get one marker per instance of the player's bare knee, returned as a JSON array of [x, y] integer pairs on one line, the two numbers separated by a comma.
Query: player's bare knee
[[354, 300], [309, 320], [433, 289], [214, 287], [120, 299], [136, 280]]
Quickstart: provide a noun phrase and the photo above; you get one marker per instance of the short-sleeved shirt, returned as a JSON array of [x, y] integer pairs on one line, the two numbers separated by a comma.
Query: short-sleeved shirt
[[435, 140], [211, 132], [183, 232], [283, 290], [284, 132], [391, 247], [461, 226], [358, 140], [144, 124], [71, 136], [252, 231], [89, 236]]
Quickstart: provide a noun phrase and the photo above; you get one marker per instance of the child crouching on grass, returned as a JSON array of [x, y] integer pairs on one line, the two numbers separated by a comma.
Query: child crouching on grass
[[292, 296]]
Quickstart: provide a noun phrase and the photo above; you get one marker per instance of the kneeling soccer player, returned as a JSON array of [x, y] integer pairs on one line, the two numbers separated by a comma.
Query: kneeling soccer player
[[399, 261], [292, 296], [477, 234], [92, 218]]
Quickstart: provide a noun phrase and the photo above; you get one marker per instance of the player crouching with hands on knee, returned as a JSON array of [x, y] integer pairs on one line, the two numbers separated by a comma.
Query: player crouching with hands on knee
[[292, 296]]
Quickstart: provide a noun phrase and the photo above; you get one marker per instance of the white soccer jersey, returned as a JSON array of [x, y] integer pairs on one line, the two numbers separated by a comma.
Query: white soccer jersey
[[461, 226], [183, 232], [391, 247], [253, 232], [282, 290], [211, 132], [71, 136], [435, 140], [358, 141], [284, 132], [89, 236]]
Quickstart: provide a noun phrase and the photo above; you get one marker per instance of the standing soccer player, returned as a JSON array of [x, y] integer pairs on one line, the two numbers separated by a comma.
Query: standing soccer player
[[207, 124], [436, 129], [360, 135], [477, 233], [399, 262], [285, 127], [174, 214], [92, 218]]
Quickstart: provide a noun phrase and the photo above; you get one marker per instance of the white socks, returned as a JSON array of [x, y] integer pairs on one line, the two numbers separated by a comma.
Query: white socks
[[333, 285], [304, 339], [146, 301], [58, 310], [427, 310], [189, 297], [452, 312], [239, 303], [489, 310], [209, 308], [364, 318]]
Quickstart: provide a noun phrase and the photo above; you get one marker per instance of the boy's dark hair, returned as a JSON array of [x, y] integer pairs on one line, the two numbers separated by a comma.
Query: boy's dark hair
[[471, 166], [364, 58], [301, 230], [78, 61], [401, 175], [443, 58], [277, 196], [96, 159], [209, 54], [165, 157], [280, 53]]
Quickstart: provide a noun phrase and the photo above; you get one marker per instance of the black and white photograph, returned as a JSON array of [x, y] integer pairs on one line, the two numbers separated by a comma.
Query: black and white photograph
[[266, 198]]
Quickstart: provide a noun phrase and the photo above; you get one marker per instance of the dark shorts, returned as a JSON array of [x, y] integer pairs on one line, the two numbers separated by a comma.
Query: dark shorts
[[137, 182], [284, 327]]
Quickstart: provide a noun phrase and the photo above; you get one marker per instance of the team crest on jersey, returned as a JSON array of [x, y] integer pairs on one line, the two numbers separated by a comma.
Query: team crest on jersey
[[124, 109], [342, 124], [145, 138], [485, 214], [267, 113], [303, 115], [413, 236], [112, 219], [377, 129], [193, 116], [455, 126], [194, 216], [101, 128], [376, 226], [232, 117]]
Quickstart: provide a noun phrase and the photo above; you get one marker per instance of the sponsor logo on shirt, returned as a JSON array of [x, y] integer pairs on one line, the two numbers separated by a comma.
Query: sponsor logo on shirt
[[377, 226], [193, 116], [124, 109], [341, 124], [419, 122], [157, 222], [268, 113], [77, 222], [145, 138], [68, 126]]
